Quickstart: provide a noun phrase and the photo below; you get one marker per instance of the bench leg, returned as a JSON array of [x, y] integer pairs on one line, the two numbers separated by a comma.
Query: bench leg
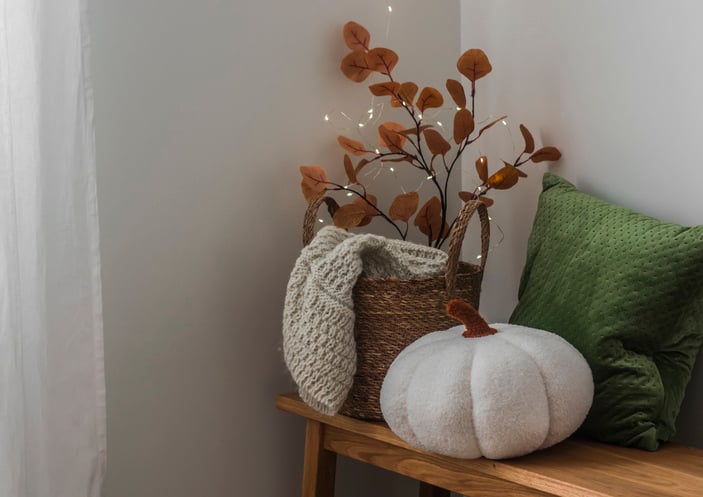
[[427, 490], [320, 465]]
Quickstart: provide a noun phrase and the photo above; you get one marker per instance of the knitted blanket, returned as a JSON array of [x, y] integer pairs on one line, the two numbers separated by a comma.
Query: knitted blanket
[[318, 318]]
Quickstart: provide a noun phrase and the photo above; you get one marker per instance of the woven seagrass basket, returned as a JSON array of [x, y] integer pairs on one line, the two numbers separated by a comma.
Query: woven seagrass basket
[[392, 313]]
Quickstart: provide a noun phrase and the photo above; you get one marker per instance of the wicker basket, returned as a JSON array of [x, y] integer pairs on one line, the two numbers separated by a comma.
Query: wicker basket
[[392, 313]]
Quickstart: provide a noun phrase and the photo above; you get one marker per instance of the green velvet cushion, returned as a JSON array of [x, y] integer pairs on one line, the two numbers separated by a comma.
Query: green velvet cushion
[[627, 291]]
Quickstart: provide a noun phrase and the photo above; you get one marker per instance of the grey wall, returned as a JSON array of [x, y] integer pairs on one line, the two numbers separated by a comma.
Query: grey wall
[[204, 111], [616, 86]]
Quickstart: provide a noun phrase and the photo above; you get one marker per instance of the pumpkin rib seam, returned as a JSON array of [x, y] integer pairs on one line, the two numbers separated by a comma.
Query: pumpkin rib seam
[[544, 386], [471, 400], [407, 410]]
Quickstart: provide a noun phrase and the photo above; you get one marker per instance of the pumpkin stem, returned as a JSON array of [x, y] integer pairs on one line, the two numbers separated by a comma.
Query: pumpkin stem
[[464, 312]]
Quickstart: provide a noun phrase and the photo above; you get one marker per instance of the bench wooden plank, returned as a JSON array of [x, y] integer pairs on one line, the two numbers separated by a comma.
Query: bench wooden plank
[[585, 468], [437, 470], [573, 468]]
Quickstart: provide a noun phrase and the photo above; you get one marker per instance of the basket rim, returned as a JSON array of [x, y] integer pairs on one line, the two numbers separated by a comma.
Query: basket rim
[[464, 269], [456, 237]]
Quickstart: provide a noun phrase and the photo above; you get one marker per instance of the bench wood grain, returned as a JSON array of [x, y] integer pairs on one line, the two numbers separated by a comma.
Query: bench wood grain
[[573, 468]]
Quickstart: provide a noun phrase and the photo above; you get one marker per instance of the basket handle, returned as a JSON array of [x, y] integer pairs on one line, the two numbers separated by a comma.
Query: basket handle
[[455, 242], [309, 220]]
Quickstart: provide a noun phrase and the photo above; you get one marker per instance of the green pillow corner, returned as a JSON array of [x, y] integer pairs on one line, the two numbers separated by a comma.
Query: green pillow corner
[[627, 291]]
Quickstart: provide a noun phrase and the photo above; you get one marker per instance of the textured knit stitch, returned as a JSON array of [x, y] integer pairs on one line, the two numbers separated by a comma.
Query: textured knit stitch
[[318, 318]]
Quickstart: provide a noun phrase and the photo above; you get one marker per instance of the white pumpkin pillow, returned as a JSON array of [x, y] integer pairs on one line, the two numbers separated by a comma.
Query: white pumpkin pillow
[[476, 390]]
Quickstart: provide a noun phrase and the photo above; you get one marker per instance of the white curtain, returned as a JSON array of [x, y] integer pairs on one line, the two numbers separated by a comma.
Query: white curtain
[[52, 398]]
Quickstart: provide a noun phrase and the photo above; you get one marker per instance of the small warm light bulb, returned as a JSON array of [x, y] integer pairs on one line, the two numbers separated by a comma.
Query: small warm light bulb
[[429, 178], [439, 124], [361, 125], [321, 220], [419, 116], [378, 152], [327, 117], [392, 169], [349, 194], [505, 123], [390, 9], [458, 108], [371, 112]]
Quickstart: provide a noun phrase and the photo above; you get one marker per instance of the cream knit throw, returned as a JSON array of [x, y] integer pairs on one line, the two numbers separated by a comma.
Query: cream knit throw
[[318, 318]]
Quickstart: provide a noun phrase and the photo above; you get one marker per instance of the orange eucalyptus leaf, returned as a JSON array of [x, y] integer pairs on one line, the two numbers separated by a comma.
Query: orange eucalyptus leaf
[[352, 146], [429, 219], [404, 206], [467, 196], [349, 169], [382, 89], [430, 98], [518, 170], [356, 36], [315, 177], [349, 216], [362, 163], [397, 128], [463, 125], [364, 221], [355, 66], [474, 64], [436, 142], [506, 177], [382, 60], [407, 93], [395, 103], [482, 168], [413, 131], [456, 90], [389, 136], [546, 154], [529, 141], [309, 192], [369, 211]]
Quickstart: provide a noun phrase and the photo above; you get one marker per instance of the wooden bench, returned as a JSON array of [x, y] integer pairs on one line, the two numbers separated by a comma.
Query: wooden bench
[[574, 468]]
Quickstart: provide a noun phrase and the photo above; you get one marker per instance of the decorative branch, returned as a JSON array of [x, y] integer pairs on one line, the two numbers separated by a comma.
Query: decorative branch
[[415, 144]]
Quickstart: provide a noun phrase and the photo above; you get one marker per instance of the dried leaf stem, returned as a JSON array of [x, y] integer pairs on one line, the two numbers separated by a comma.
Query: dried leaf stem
[[337, 187], [432, 217]]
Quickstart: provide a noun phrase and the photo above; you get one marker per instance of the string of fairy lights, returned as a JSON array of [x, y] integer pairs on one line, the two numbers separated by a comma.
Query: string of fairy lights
[[363, 128]]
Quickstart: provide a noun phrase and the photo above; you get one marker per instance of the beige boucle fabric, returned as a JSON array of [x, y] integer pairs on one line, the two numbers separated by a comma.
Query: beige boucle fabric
[[318, 318]]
